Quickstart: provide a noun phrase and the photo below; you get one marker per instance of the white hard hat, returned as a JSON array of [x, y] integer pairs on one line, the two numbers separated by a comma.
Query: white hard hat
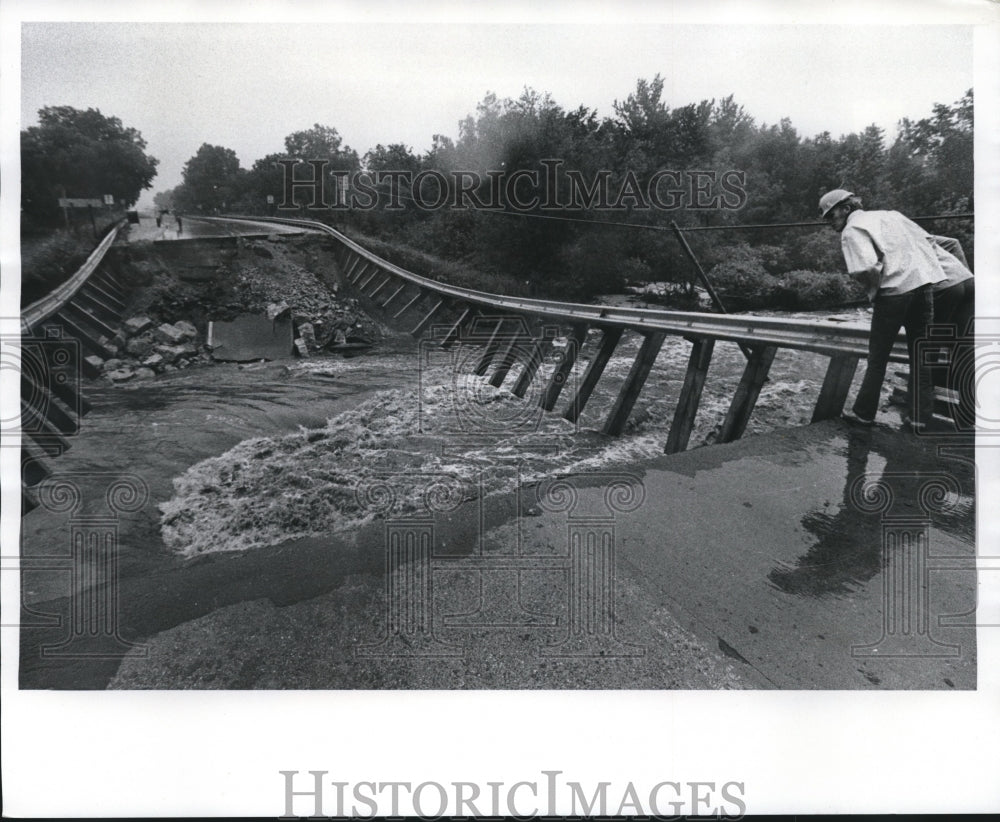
[[833, 198]]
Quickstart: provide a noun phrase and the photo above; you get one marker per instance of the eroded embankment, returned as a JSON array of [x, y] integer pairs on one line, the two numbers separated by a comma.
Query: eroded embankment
[[176, 288]]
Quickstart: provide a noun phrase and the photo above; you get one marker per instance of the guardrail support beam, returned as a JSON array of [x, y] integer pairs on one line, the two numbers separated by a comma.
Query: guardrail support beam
[[382, 285], [745, 397], [539, 348], [508, 358], [455, 332], [364, 281], [690, 398], [410, 304], [394, 294], [836, 385], [609, 340], [492, 346], [96, 292], [561, 374], [419, 328], [636, 378], [352, 262]]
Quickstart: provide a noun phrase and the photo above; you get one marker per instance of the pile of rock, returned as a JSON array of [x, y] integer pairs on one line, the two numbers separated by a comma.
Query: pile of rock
[[141, 349], [322, 317], [340, 322]]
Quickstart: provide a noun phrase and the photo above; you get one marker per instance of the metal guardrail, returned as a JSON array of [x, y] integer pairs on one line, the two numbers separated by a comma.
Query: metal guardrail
[[47, 306], [510, 329], [58, 332], [809, 335]]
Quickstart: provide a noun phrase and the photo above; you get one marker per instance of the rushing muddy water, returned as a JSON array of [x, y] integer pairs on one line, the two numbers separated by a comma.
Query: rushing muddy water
[[440, 420]]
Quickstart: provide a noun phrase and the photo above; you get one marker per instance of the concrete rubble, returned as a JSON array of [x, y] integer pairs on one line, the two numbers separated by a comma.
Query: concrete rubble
[[286, 287], [146, 351]]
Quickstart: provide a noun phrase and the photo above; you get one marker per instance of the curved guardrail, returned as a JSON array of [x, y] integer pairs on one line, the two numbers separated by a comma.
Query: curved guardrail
[[61, 334], [824, 337], [509, 329], [42, 309]]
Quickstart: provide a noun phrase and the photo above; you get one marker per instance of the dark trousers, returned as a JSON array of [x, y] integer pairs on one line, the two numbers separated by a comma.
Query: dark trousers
[[954, 310], [913, 311]]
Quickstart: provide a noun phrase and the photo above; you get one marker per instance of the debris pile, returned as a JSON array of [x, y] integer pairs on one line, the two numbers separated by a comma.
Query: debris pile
[[141, 349], [284, 282], [321, 317]]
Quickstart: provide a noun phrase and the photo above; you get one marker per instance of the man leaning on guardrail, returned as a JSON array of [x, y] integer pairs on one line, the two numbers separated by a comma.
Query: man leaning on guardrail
[[897, 262]]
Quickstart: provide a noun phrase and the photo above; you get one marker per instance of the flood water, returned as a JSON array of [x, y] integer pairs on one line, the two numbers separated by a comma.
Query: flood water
[[416, 409]]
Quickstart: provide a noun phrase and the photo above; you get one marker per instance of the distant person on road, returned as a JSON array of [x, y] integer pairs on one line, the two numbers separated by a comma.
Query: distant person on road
[[897, 261], [180, 225]]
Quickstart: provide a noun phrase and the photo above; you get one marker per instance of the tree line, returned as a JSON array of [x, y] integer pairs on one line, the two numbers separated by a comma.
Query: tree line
[[685, 152], [927, 169]]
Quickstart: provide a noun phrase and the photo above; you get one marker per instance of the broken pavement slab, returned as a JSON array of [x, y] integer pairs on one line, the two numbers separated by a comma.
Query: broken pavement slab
[[169, 334], [251, 337]]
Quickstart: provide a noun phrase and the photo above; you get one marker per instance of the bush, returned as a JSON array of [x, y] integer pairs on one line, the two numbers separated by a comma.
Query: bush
[[806, 290], [48, 261], [593, 264]]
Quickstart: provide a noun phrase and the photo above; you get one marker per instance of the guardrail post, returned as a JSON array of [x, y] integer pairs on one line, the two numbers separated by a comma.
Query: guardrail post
[[421, 326], [561, 374], [836, 385], [633, 383], [745, 397], [361, 271], [690, 398], [357, 267], [416, 298], [536, 354], [609, 341], [492, 346], [394, 294], [352, 263], [363, 285], [455, 332], [381, 285], [509, 356]]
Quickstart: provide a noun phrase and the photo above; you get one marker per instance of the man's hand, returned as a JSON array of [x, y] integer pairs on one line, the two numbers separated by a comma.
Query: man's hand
[[870, 278]]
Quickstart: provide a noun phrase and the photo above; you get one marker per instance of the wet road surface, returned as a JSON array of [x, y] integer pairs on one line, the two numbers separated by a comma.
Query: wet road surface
[[193, 227]]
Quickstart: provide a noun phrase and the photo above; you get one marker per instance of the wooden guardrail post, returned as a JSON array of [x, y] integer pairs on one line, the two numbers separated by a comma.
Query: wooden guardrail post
[[421, 326], [492, 346], [396, 293], [536, 354], [558, 379], [690, 397], [745, 396], [353, 262], [636, 378], [455, 332], [363, 281], [518, 338], [383, 284], [836, 385], [609, 340], [416, 298]]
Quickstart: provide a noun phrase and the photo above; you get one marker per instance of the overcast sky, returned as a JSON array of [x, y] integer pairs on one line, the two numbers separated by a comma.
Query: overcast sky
[[247, 86]]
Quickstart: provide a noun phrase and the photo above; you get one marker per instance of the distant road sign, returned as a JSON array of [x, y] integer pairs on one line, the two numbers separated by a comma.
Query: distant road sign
[[80, 202]]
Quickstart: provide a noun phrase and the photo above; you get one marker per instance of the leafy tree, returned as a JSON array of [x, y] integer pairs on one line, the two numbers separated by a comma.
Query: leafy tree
[[164, 200], [212, 180], [322, 143], [74, 153]]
